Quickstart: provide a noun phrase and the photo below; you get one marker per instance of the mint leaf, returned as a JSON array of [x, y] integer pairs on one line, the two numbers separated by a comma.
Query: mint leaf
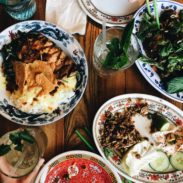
[[19, 147], [126, 38], [24, 135], [175, 85], [15, 138], [108, 153], [4, 149]]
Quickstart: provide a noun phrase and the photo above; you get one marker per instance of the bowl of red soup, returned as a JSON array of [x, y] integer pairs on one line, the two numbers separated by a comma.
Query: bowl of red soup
[[74, 166]]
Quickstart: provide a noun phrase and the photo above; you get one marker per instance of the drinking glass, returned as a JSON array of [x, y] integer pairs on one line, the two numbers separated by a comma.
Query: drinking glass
[[24, 10], [100, 51], [16, 163]]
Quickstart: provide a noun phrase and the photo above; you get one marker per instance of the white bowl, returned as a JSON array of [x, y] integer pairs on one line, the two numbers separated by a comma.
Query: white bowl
[[117, 7]]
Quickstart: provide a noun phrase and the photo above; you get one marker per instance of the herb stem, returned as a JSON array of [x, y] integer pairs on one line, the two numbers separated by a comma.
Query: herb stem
[[148, 7], [156, 13], [83, 139]]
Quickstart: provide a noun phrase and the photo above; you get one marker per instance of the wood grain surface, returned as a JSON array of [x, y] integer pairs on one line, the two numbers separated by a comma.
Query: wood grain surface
[[61, 136]]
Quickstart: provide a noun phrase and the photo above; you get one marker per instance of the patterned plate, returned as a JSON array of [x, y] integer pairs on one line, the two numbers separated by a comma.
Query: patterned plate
[[154, 104], [99, 16], [69, 44], [91, 164], [150, 75]]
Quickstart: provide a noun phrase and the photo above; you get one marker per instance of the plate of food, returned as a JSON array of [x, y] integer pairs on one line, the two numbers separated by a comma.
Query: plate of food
[[142, 137], [43, 73], [113, 12], [72, 166], [162, 47]]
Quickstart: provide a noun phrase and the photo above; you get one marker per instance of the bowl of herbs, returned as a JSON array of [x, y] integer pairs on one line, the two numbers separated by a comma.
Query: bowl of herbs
[[159, 29]]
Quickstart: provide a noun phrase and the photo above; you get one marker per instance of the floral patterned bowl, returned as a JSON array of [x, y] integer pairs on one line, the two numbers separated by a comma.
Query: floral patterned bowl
[[69, 44], [85, 166], [155, 104], [146, 70]]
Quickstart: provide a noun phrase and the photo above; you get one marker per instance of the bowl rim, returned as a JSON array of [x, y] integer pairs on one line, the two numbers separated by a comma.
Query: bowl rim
[[121, 97], [73, 152], [56, 119], [137, 62]]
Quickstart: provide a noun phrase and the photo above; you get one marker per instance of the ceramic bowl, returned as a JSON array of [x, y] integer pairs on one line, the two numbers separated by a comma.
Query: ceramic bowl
[[86, 166], [71, 47], [155, 104], [146, 70]]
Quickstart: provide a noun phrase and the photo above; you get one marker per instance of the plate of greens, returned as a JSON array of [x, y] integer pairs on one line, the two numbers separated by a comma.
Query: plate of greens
[[159, 30]]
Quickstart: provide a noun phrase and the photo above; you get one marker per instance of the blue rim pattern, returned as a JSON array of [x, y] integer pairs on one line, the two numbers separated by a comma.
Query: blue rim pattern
[[150, 75], [74, 50]]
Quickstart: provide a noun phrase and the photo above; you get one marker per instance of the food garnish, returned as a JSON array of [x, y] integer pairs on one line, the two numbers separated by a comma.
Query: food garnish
[[16, 141], [139, 139], [164, 47], [117, 56], [39, 75]]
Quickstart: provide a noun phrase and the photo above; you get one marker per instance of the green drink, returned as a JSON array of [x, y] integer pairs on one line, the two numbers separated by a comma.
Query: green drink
[[24, 154]]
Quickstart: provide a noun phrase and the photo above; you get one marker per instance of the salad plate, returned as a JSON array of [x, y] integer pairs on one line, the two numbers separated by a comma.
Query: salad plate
[[39, 33], [90, 8], [164, 77], [131, 132], [72, 166]]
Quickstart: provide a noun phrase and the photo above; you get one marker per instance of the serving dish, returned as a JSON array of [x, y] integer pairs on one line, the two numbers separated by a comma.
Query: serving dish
[[87, 166], [98, 16], [121, 104], [146, 70], [71, 47]]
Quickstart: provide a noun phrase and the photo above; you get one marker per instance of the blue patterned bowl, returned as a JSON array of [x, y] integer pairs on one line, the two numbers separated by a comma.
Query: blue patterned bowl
[[150, 75], [69, 44]]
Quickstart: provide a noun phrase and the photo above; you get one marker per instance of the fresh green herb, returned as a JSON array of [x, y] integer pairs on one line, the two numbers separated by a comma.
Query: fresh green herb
[[16, 139], [148, 7], [158, 121], [156, 13], [4, 149], [175, 85], [118, 56], [108, 153], [164, 47]]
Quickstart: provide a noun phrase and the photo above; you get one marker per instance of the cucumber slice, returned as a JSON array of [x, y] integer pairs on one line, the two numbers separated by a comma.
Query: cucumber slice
[[167, 127], [176, 160], [160, 163]]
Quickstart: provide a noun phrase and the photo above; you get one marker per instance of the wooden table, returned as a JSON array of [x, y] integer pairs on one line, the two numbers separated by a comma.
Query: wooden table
[[60, 134]]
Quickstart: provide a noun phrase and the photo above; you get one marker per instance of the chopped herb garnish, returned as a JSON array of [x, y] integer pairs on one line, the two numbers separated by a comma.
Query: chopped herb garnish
[[118, 49], [16, 138]]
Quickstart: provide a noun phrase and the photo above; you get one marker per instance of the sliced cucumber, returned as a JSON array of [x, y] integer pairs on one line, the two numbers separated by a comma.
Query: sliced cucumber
[[176, 160], [160, 162], [167, 127]]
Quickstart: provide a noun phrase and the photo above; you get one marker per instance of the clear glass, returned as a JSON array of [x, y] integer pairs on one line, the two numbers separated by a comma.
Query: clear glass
[[24, 10], [100, 51], [15, 163]]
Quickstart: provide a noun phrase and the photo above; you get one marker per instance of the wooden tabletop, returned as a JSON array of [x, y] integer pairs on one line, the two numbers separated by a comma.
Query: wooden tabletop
[[61, 136]]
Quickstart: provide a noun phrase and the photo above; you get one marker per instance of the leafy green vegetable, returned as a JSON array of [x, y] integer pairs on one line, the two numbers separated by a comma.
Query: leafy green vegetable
[[158, 121], [118, 56], [4, 149], [164, 47], [16, 139], [151, 62], [108, 152], [125, 42], [175, 85]]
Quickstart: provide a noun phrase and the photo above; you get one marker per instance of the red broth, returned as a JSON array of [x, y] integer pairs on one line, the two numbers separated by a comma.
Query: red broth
[[78, 170]]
